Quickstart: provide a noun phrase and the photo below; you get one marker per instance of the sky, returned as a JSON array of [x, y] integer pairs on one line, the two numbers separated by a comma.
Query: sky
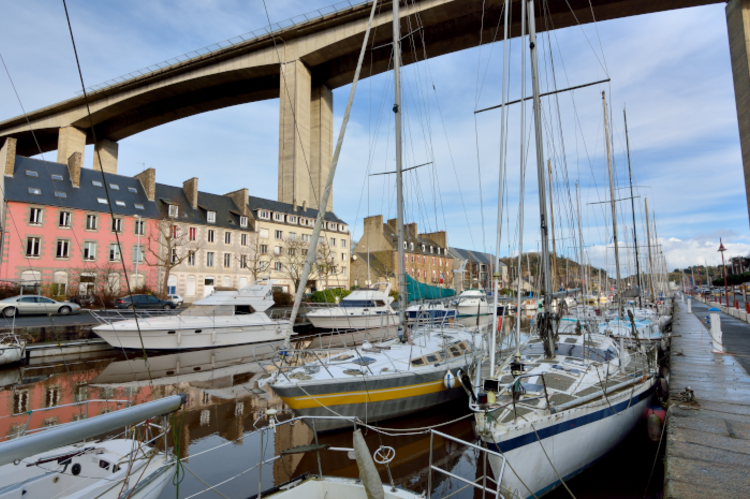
[[671, 71]]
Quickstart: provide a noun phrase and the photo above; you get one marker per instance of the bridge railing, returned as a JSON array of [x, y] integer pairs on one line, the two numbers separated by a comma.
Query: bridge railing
[[336, 8]]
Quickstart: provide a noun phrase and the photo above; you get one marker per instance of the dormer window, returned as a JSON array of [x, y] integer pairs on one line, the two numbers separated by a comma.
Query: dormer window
[[243, 222], [430, 249], [211, 217], [174, 210], [423, 248], [278, 217], [404, 244], [412, 246], [291, 219], [264, 214]]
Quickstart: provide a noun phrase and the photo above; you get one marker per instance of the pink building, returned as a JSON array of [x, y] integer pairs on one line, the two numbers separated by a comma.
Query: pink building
[[59, 228]]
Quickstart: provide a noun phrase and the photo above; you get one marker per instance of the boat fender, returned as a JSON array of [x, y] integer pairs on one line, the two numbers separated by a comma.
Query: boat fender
[[213, 336], [179, 337], [491, 398], [278, 329], [499, 323], [654, 427], [450, 380]]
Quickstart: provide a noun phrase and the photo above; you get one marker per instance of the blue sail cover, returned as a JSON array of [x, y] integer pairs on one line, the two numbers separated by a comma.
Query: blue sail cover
[[419, 291]]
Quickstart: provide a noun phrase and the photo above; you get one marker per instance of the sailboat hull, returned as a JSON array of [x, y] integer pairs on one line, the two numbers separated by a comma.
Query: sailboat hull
[[370, 400], [573, 440]]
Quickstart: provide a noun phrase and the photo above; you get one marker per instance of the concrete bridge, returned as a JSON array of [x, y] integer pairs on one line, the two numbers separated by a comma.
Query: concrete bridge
[[302, 63]]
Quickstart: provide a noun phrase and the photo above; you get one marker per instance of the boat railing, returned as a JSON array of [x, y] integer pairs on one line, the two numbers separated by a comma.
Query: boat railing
[[107, 316]]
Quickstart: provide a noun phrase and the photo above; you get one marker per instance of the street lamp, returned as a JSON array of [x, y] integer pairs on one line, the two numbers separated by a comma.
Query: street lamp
[[722, 249]]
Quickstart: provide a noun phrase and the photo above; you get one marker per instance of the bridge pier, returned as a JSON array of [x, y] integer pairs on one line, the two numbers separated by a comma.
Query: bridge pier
[[738, 28], [305, 136], [105, 155], [70, 140]]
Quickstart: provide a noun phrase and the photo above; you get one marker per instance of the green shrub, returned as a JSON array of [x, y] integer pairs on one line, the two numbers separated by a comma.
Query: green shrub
[[282, 299], [329, 295]]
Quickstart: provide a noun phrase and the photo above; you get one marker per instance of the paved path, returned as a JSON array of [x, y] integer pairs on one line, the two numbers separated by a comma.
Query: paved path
[[708, 443], [735, 334]]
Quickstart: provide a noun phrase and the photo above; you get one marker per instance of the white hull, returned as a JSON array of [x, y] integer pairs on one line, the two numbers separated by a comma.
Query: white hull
[[9, 355], [474, 309], [352, 321], [570, 450], [187, 338]]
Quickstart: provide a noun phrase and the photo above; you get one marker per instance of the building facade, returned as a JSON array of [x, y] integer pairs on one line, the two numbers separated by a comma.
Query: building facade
[[476, 269]]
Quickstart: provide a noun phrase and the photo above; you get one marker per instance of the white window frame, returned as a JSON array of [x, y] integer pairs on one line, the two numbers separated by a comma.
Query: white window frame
[[211, 217], [210, 259], [264, 214], [227, 260], [89, 251], [65, 244], [243, 222], [228, 237], [114, 252], [243, 239], [211, 235], [35, 216], [173, 211]]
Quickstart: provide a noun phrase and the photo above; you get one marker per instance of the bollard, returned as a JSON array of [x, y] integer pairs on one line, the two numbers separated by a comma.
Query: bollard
[[736, 305], [716, 330], [690, 306]]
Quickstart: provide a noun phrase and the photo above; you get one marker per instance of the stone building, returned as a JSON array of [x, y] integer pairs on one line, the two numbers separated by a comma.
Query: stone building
[[475, 268]]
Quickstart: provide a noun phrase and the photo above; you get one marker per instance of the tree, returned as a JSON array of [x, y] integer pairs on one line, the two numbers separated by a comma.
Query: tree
[[292, 258], [169, 246], [326, 259], [257, 261]]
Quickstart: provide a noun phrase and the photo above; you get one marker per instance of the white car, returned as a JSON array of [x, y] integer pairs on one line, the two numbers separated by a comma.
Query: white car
[[35, 304], [176, 299]]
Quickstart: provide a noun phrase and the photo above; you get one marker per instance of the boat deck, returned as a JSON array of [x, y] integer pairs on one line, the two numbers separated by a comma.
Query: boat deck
[[708, 440]]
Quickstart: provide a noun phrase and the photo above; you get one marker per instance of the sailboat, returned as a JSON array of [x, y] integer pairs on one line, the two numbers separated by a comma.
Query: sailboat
[[376, 381], [562, 400]]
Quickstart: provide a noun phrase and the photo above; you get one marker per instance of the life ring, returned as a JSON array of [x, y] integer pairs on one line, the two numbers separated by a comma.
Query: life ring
[[658, 302]]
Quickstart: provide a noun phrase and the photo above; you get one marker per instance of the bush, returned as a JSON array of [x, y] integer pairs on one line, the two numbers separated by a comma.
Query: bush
[[9, 290], [329, 295], [282, 299]]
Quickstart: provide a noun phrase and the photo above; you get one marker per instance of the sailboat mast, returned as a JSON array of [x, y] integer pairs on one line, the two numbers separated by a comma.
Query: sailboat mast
[[556, 274], [650, 258], [544, 267], [612, 203], [402, 291], [632, 203], [580, 239]]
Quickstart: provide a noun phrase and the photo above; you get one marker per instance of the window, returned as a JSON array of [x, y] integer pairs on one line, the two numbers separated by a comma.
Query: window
[[138, 252], [173, 210], [423, 247], [291, 219], [278, 217], [277, 266], [63, 248], [101, 200], [343, 243], [211, 217], [404, 244], [211, 235], [96, 183], [138, 206], [31, 173], [140, 228], [35, 191], [174, 231], [291, 251], [243, 261], [133, 190], [120, 203], [209, 258], [89, 250], [411, 246], [263, 234], [332, 226], [60, 194], [191, 259], [243, 222], [227, 237], [32, 246], [56, 177], [263, 249], [431, 249], [306, 238], [114, 252], [277, 250], [117, 225], [263, 214], [227, 260], [333, 241], [192, 233], [279, 235], [343, 257], [175, 257], [35, 216], [433, 260], [292, 236], [114, 187], [343, 270], [243, 239]]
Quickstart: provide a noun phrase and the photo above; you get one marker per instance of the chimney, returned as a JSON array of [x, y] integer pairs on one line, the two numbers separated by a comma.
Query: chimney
[[294, 205], [190, 188], [241, 197], [412, 227], [392, 223], [439, 237], [75, 163], [304, 206], [8, 156], [148, 181]]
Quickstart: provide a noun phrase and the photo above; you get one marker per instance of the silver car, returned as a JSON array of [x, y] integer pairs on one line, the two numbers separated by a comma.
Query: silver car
[[35, 304]]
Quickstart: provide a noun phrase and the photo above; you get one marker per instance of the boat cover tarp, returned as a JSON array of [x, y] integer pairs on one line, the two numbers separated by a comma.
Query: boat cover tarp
[[419, 291]]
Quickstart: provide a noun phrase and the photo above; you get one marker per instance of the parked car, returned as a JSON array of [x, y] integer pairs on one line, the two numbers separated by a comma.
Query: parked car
[[35, 304], [144, 301], [176, 299]]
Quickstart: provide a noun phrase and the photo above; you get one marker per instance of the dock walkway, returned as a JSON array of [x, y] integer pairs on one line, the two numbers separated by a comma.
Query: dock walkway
[[707, 441]]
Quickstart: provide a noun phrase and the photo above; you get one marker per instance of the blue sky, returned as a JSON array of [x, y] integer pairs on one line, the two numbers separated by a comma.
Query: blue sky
[[671, 70]]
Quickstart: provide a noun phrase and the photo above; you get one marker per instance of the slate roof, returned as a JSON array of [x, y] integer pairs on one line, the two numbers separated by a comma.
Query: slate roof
[[227, 212], [474, 256], [84, 197], [277, 206]]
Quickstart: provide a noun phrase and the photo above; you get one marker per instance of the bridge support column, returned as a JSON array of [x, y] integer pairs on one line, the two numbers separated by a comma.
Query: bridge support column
[[321, 142], [105, 155], [738, 27], [294, 134], [70, 140]]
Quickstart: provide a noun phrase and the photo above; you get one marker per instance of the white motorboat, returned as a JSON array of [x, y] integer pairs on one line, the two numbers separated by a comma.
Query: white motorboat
[[226, 317], [646, 329], [577, 405], [429, 312], [473, 302], [363, 308], [63, 462], [12, 348]]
